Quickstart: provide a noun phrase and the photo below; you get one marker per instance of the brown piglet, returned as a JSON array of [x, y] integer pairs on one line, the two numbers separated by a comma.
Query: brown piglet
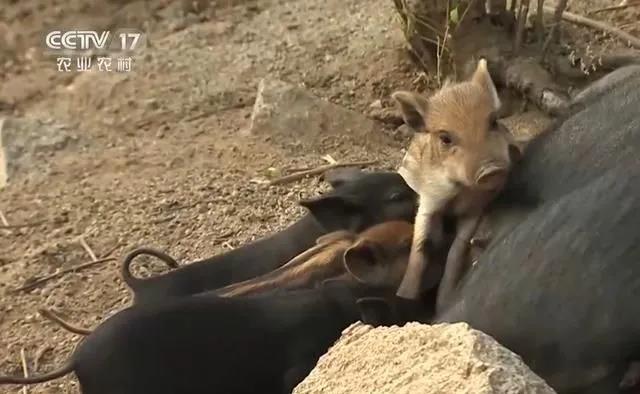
[[457, 162], [377, 257]]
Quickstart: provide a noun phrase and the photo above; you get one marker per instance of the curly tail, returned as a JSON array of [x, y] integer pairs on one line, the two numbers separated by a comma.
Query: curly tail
[[50, 315], [55, 374], [125, 271]]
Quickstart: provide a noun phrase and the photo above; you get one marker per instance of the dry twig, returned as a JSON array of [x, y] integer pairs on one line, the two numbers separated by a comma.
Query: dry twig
[[628, 24], [296, 169], [555, 27], [317, 171], [521, 25], [23, 225], [3, 219], [442, 45], [615, 7], [76, 268], [584, 21], [25, 368], [540, 21], [88, 249], [39, 355], [110, 251], [162, 220], [464, 14], [329, 159]]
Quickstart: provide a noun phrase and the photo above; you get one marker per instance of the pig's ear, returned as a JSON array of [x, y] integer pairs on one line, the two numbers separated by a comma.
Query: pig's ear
[[339, 177], [413, 108], [375, 311], [334, 212], [362, 261], [482, 78]]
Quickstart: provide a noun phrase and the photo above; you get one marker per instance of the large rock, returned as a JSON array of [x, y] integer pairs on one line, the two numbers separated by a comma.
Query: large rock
[[8, 44], [420, 359], [26, 146], [282, 110]]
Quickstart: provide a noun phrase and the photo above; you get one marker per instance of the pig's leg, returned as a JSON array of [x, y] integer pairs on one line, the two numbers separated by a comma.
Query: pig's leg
[[631, 377], [436, 230], [410, 285], [454, 267], [375, 311], [411, 282]]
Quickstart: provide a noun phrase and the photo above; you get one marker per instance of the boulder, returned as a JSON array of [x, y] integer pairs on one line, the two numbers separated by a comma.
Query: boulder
[[420, 359], [26, 146], [283, 110]]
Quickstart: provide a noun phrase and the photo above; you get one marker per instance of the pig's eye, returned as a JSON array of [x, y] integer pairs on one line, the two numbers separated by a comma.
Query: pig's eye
[[445, 138]]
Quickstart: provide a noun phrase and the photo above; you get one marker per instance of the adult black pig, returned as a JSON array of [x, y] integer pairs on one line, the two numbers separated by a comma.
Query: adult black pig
[[561, 289], [601, 129]]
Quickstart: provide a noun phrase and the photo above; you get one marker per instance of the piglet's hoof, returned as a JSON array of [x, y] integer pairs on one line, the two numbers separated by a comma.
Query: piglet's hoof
[[631, 378]]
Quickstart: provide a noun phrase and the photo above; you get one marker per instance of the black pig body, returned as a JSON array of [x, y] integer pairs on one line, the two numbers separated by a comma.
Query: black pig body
[[562, 289], [204, 344]]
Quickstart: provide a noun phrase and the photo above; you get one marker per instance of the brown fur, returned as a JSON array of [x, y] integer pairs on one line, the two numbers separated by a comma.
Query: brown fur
[[325, 258], [457, 163], [463, 110], [378, 255]]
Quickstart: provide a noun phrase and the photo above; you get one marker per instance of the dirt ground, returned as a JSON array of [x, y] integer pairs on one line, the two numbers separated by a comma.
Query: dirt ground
[[162, 159]]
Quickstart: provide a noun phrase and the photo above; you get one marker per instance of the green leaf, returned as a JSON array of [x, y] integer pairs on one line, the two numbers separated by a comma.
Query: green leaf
[[453, 16]]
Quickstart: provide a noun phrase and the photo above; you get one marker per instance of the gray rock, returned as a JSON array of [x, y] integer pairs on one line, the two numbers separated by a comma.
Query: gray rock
[[376, 104], [282, 110], [26, 146], [387, 115], [404, 131]]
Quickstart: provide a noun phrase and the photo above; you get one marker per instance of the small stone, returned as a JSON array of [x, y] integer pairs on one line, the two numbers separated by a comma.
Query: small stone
[[386, 115], [404, 131], [376, 104]]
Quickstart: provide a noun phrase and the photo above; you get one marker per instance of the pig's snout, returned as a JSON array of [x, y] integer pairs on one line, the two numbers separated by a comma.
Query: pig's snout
[[492, 176]]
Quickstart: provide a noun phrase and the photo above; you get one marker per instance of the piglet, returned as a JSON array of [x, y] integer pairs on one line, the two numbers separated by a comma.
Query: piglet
[[208, 344], [457, 162], [561, 288], [378, 255]]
